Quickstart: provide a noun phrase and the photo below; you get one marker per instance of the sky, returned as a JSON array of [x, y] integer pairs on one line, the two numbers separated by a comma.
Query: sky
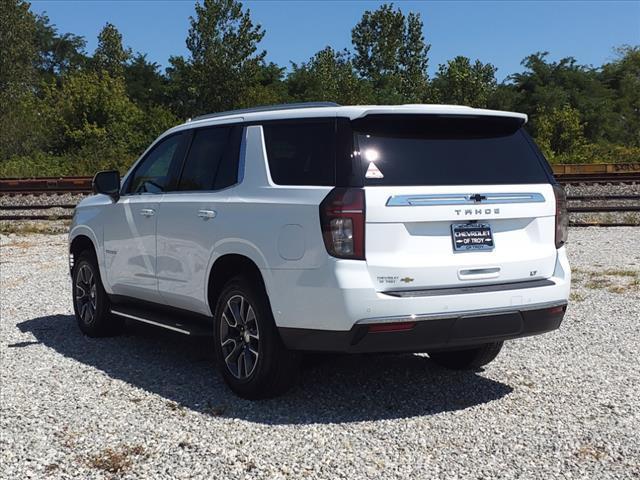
[[499, 32]]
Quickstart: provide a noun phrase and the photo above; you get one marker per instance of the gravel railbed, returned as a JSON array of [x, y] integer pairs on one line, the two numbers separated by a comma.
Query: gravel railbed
[[149, 404], [603, 189], [55, 199]]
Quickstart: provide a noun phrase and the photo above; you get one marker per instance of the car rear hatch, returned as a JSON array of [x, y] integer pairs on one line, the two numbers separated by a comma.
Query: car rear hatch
[[454, 201]]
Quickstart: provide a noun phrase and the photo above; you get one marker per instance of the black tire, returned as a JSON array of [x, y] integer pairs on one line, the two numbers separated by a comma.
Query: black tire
[[275, 369], [468, 359], [90, 301]]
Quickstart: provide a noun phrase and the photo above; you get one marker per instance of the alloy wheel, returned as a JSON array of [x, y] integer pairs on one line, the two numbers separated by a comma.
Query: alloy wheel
[[239, 337], [86, 294]]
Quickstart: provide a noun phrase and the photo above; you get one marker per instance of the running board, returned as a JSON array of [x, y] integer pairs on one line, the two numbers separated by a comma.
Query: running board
[[177, 323]]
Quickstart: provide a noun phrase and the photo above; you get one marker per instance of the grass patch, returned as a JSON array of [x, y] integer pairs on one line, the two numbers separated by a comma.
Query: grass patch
[[617, 289], [115, 460], [590, 452], [622, 273], [576, 297], [31, 227], [598, 283], [613, 280], [19, 244]]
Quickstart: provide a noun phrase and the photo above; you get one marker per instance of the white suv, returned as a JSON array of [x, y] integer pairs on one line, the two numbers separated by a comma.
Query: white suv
[[317, 227]]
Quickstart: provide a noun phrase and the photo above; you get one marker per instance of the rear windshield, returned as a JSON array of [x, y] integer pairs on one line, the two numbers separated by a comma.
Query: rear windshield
[[445, 150]]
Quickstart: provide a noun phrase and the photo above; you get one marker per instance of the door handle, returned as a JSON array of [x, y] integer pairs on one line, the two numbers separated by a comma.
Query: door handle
[[206, 214], [147, 212]]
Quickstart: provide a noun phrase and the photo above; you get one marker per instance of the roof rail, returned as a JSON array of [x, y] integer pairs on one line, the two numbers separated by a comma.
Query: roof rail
[[268, 108]]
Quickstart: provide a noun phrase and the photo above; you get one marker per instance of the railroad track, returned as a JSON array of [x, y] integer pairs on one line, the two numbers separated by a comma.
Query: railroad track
[[82, 185], [45, 185]]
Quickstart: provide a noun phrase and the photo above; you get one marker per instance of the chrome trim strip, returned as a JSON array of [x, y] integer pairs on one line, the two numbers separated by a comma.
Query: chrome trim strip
[[464, 313], [150, 322], [463, 199]]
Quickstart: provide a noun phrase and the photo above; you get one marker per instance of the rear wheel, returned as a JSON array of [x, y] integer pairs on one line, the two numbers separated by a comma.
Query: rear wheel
[[468, 359], [90, 301], [249, 353]]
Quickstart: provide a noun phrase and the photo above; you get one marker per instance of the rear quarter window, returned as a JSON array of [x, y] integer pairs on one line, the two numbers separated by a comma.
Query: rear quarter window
[[301, 152], [446, 150]]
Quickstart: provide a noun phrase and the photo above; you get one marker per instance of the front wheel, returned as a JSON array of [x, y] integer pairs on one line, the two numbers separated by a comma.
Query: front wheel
[[467, 359], [249, 353], [90, 301]]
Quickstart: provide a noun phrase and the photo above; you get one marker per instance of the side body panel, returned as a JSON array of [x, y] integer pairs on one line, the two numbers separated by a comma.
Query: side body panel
[[274, 226], [130, 246]]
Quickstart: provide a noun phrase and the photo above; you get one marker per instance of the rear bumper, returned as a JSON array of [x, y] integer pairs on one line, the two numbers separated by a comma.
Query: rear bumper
[[341, 295], [429, 333]]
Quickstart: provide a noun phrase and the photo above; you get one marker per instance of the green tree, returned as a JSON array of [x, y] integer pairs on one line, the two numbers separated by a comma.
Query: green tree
[[110, 55], [17, 44], [391, 53], [146, 85], [224, 68], [19, 125], [545, 86], [268, 86], [622, 77], [58, 54], [462, 83], [328, 76], [92, 109], [560, 132]]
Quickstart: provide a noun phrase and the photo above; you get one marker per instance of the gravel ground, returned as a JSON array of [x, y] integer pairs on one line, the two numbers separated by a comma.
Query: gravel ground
[[150, 405]]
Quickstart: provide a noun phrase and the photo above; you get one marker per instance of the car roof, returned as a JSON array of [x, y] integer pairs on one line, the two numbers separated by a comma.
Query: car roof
[[319, 110]]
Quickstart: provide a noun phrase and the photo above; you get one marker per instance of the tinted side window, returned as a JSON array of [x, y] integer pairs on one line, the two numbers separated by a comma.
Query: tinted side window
[[228, 169], [156, 172], [301, 153], [205, 156]]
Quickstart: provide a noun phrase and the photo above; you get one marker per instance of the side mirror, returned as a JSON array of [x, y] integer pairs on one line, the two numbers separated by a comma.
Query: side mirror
[[108, 183]]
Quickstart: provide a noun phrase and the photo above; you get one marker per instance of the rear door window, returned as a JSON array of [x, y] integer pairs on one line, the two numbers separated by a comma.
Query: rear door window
[[445, 150], [212, 161], [301, 152]]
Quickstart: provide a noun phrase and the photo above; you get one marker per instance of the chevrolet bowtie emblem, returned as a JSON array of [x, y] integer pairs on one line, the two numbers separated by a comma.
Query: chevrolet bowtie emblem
[[477, 197], [407, 279]]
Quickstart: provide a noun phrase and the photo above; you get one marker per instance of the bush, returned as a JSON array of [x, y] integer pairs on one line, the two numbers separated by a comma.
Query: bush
[[599, 153], [85, 162]]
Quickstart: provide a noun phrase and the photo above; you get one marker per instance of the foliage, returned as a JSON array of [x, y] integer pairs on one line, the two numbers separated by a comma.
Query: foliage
[[622, 77], [390, 52], [110, 56], [328, 76], [57, 54], [224, 67], [461, 83], [547, 85], [64, 111], [600, 153], [18, 47], [560, 131], [19, 126], [146, 85]]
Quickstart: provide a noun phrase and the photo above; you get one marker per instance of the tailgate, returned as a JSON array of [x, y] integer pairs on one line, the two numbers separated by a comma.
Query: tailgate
[[410, 241]]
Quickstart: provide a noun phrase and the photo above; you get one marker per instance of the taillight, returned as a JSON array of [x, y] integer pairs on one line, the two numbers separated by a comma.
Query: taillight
[[342, 221], [562, 217]]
